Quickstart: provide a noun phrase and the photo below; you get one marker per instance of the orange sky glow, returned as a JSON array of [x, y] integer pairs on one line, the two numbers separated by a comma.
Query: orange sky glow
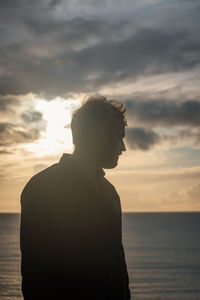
[[155, 180]]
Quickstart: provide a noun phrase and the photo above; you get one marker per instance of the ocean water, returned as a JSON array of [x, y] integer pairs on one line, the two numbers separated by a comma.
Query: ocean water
[[162, 254]]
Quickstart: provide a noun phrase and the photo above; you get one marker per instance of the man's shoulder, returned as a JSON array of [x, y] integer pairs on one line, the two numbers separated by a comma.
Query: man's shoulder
[[49, 173], [48, 178], [36, 180]]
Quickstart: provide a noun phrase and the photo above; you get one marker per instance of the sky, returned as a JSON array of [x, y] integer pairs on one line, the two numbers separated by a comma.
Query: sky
[[144, 53]]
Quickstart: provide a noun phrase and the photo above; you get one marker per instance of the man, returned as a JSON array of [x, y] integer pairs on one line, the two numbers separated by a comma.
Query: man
[[71, 238]]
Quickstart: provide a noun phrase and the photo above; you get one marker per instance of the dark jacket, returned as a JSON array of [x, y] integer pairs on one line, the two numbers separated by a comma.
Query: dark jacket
[[71, 239]]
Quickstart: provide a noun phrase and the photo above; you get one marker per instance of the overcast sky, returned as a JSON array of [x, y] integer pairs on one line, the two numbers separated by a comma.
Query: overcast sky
[[144, 53]]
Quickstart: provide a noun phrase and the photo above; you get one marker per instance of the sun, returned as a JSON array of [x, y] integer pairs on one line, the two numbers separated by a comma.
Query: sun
[[56, 137]]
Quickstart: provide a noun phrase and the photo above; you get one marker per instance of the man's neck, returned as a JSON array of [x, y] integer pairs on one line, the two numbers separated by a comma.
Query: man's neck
[[86, 162]]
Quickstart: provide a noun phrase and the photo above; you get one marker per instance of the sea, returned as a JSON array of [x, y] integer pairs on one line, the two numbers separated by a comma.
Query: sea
[[162, 254]]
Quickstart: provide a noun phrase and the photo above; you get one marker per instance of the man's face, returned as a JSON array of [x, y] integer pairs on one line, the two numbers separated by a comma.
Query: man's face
[[112, 146]]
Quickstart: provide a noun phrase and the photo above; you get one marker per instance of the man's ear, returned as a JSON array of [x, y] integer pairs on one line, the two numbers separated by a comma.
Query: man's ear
[[103, 134], [98, 137]]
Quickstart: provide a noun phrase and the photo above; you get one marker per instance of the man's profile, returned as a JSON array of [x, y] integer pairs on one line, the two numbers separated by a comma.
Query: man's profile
[[71, 232]]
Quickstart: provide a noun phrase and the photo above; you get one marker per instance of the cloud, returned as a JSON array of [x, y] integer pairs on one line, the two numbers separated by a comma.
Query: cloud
[[12, 135], [31, 116], [20, 122], [138, 138], [141, 138], [164, 113], [189, 134], [7, 103], [5, 152], [45, 49]]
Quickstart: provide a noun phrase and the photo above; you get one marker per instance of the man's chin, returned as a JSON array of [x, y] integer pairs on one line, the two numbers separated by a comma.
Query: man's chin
[[110, 164]]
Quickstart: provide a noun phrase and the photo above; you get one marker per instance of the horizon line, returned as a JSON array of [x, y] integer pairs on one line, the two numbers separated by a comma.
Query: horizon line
[[123, 212]]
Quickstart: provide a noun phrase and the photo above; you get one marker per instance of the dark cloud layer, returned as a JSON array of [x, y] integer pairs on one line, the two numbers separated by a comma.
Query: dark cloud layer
[[138, 138], [141, 138], [164, 113], [145, 52], [182, 118], [12, 135], [42, 52]]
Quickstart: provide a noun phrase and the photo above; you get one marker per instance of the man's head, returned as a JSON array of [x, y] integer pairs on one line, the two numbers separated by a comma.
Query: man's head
[[98, 127]]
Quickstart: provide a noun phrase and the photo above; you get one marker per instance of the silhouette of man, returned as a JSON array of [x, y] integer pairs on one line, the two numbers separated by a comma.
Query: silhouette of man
[[71, 237]]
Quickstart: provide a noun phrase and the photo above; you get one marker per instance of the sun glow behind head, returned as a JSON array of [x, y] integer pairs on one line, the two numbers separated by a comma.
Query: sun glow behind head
[[56, 137]]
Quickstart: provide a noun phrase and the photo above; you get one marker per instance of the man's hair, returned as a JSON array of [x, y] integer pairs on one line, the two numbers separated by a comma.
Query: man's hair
[[96, 112]]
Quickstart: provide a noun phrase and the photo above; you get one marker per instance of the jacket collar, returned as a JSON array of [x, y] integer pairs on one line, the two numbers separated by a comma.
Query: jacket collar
[[67, 158]]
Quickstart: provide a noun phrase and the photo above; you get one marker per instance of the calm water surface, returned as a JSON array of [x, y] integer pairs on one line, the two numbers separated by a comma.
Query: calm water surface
[[162, 253]]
